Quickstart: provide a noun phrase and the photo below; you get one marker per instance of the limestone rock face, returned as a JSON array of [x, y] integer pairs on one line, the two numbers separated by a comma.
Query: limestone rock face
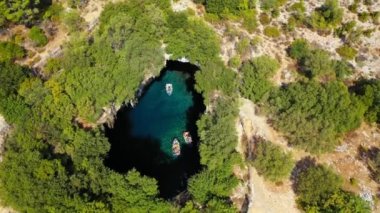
[[4, 128]]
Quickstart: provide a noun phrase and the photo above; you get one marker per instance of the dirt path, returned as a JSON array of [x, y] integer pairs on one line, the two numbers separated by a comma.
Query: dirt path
[[264, 197], [267, 200]]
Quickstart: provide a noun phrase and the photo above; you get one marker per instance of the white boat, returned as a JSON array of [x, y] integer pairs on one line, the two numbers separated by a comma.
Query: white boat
[[176, 147], [169, 89], [187, 137]]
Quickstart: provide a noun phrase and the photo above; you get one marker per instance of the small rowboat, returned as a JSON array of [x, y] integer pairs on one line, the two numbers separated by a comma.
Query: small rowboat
[[187, 137], [176, 148]]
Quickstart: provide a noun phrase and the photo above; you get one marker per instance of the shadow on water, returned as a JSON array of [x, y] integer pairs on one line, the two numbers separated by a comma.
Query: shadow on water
[[145, 155]]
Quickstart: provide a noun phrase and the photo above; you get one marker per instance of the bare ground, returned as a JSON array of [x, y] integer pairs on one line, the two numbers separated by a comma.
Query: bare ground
[[262, 196]]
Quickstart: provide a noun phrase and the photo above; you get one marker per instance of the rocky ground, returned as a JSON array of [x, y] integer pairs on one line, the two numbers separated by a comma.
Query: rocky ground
[[4, 128], [261, 196]]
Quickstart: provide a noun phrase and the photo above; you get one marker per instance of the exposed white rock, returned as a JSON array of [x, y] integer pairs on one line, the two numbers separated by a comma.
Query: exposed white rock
[[4, 128]]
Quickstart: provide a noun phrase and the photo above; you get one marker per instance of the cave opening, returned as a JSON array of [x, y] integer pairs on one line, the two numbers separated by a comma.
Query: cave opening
[[142, 136]]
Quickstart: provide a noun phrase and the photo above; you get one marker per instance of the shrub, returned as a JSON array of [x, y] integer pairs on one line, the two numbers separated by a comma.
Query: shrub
[[375, 17], [211, 183], [369, 92], [297, 13], [270, 161], [269, 5], [54, 12], [291, 25], [347, 52], [299, 49], [249, 20], [244, 46], [314, 115], [353, 7], [38, 36], [271, 31], [342, 69], [73, 21], [317, 63], [346, 29], [364, 17], [265, 19], [328, 16], [235, 62], [315, 183], [10, 51], [52, 66], [20, 11], [319, 190]]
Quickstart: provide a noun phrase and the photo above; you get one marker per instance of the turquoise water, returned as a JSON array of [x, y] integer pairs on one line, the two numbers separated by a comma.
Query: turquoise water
[[161, 117], [142, 135]]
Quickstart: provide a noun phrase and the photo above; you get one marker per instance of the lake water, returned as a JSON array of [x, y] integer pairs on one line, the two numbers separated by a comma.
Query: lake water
[[161, 116], [142, 136]]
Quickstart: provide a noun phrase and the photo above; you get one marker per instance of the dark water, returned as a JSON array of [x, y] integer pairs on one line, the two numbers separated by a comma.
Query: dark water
[[142, 136]]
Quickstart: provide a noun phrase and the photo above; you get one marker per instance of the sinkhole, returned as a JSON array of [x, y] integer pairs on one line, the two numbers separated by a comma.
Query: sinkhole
[[142, 136]]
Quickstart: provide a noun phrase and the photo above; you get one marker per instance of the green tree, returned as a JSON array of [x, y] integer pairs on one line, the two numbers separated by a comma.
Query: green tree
[[315, 183], [299, 49], [224, 79], [270, 161], [317, 64], [38, 36], [326, 17], [217, 135], [369, 92], [256, 74], [211, 183], [20, 11], [195, 41], [73, 21], [347, 52], [342, 69], [10, 51], [314, 115], [319, 190]]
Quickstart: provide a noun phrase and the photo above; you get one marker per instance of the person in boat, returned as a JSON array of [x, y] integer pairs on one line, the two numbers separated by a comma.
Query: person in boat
[[176, 148], [187, 137]]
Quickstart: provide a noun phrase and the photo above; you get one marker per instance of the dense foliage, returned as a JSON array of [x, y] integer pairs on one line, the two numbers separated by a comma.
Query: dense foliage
[[10, 51], [193, 40], [255, 77], [218, 155], [243, 10], [319, 190], [52, 164], [317, 63], [272, 162], [20, 11], [314, 115], [370, 94]]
